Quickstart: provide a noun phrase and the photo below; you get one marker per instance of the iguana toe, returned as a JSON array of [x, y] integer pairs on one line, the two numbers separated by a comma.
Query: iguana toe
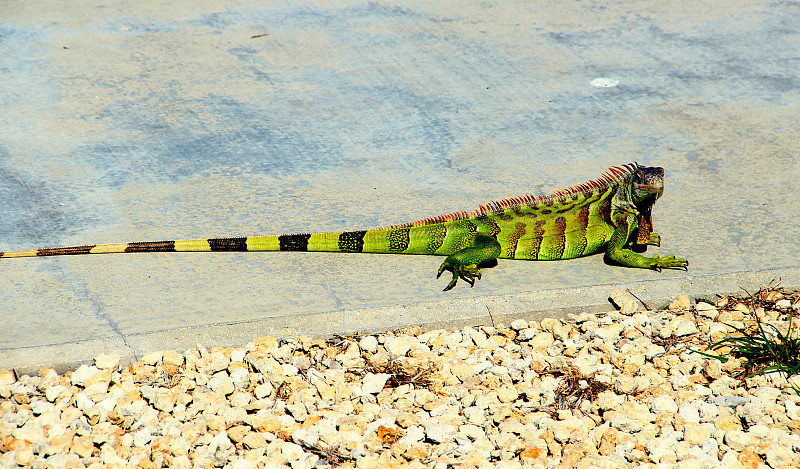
[[468, 273], [669, 262], [655, 239], [452, 283]]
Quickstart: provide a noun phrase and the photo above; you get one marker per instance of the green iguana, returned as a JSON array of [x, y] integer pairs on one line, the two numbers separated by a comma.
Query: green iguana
[[611, 212]]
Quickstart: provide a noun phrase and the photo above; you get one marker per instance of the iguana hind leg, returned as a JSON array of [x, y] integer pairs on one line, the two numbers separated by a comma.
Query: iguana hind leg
[[464, 263]]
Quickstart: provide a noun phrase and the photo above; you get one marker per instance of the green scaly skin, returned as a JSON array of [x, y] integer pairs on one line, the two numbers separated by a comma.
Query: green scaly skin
[[611, 213]]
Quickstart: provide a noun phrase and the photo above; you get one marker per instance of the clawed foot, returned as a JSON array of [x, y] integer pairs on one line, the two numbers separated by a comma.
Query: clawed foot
[[468, 273], [655, 240], [668, 262]]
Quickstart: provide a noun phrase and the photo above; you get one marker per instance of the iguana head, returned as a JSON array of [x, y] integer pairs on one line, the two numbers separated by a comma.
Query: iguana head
[[647, 185]]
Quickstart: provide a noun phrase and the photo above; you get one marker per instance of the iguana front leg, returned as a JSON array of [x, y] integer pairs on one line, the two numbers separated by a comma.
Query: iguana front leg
[[617, 251], [464, 263]]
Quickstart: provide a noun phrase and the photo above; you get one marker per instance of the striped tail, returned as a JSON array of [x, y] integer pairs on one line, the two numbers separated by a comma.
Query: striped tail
[[352, 241], [221, 244]]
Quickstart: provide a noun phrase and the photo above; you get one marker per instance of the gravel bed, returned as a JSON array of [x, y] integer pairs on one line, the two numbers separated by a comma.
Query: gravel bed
[[606, 390]]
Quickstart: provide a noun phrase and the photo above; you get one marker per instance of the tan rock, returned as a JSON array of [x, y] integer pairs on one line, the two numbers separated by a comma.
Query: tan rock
[[532, 453], [61, 443], [24, 456], [107, 361], [728, 316], [632, 333], [102, 376], [265, 422], [627, 305], [151, 358], [266, 344], [712, 369], [542, 340], [49, 374], [179, 446], [215, 423], [397, 449], [15, 443], [171, 357], [417, 451], [253, 440], [734, 364], [165, 399], [238, 432], [496, 340], [181, 462], [507, 394], [96, 391], [608, 442], [83, 372], [83, 446], [749, 459], [695, 433], [680, 303], [706, 310], [626, 384], [310, 421], [407, 419], [234, 365], [461, 370]]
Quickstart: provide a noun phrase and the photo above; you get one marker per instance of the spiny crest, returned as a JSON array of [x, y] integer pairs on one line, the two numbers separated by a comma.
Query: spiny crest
[[611, 176]]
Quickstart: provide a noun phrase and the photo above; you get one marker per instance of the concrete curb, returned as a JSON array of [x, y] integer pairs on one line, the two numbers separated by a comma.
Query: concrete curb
[[431, 315]]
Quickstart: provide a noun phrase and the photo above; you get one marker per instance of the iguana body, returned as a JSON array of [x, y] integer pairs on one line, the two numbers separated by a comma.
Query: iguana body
[[611, 213]]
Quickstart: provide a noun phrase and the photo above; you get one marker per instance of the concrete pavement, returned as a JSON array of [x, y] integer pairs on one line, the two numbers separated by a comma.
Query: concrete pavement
[[134, 122]]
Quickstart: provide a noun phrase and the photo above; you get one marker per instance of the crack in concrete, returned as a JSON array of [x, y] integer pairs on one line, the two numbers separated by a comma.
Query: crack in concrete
[[98, 309]]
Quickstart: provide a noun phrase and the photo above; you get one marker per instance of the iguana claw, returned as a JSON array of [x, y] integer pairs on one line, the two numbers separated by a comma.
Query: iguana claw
[[468, 273], [669, 262], [655, 239], [464, 262]]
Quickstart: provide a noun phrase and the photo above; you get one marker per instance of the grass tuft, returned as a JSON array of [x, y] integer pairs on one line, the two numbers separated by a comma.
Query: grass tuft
[[764, 347]]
